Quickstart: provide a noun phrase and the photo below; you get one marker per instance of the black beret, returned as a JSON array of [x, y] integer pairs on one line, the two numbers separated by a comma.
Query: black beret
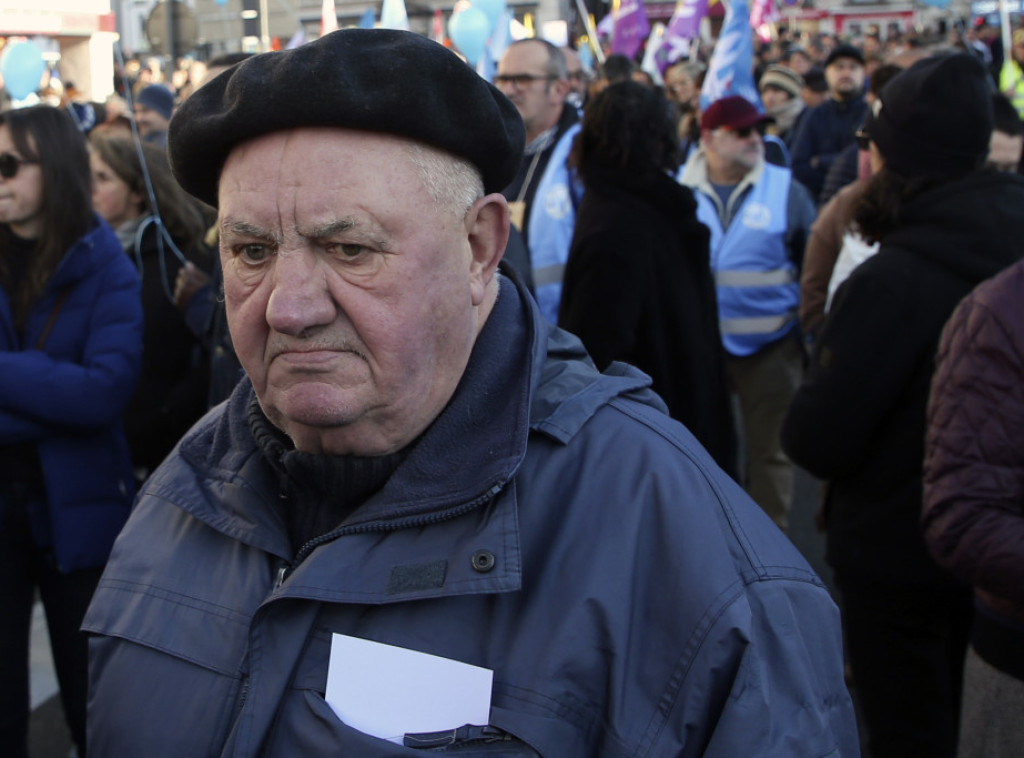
[[375, 80]]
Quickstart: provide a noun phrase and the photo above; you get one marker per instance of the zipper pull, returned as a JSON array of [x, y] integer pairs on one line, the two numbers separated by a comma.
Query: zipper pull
[[282, 574]]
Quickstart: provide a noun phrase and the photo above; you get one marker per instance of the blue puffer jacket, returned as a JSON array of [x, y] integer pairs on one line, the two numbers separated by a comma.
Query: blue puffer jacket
[[553, 525], [68, 398]]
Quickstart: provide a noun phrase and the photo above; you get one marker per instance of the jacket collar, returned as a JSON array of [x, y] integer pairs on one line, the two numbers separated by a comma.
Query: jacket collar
[[695, 174]]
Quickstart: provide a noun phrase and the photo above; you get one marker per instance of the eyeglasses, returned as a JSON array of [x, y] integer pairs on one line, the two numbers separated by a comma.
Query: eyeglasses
[[10, 163], [863, 139], [742, 133], [522, 80]]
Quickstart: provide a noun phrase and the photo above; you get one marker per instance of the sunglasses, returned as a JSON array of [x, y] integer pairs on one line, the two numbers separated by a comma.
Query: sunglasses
[[743, 133], [9, 165], [863, 139]]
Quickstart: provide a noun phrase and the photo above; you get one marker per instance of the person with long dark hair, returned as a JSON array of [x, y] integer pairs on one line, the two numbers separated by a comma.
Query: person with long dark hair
[[70, 348], [160, 227], [638, 286], [858, 420]]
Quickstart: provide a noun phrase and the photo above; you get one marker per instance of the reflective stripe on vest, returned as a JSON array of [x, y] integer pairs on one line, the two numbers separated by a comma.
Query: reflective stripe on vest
[[552, 221], [755, 278], [757, 285], [762, 325]]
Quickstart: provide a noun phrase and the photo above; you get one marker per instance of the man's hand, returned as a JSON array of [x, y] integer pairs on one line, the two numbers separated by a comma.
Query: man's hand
[[189, 280]]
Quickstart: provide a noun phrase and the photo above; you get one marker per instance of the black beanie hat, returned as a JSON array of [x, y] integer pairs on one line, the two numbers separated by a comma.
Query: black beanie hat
[[934, 118], [374, 80], [844, 51]]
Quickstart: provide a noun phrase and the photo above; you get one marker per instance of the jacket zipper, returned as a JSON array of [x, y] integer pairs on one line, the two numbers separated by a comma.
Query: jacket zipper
[[383, 526]]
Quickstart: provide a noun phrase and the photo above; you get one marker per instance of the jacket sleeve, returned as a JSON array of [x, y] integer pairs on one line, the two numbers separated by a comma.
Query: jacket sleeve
[[805, 147], [974, 462], [800, 215], [823, 246], [92, 393], [15, 428], [855, 378], [776, 685]]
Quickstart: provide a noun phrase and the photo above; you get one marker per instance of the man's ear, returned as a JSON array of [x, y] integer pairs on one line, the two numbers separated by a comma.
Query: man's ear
[[561, 87], [488, 226]]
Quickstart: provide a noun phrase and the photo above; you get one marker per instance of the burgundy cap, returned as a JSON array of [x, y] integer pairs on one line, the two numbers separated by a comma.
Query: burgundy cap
[[734, 112]]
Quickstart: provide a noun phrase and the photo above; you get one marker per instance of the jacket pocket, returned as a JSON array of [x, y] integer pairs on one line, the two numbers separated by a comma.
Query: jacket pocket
[[308, 726]]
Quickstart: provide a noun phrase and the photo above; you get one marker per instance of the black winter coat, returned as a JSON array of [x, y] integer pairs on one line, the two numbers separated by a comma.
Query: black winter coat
[[638, 288], [172, 389], [858, 420]]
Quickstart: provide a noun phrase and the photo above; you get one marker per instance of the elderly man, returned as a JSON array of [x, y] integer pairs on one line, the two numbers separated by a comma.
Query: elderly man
[[759, 219], [419, 464], [542, 195], [830, 127]]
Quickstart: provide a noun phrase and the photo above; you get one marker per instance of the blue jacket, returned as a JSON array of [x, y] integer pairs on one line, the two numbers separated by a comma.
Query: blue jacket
[[68, 398], [822, 135], [553, 525]]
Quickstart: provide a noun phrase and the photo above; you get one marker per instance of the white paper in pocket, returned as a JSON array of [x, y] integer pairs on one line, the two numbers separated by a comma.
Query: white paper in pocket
[[388, 692]]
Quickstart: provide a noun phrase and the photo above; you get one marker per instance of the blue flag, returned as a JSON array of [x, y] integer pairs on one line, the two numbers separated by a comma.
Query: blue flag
[[729, 72]]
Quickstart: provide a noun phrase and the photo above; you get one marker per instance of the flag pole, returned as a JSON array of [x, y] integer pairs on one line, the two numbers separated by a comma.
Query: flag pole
[[595, 46], [1004, 21]]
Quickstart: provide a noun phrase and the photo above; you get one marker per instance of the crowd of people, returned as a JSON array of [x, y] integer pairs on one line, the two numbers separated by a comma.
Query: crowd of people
[[528, 367]]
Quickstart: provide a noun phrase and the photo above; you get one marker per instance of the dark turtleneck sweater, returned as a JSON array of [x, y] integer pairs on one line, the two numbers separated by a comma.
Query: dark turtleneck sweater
[[318, 492]]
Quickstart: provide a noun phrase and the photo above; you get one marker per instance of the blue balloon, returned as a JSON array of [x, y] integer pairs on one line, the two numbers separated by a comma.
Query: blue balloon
[[492, 9], [469, 30], [22, 67]]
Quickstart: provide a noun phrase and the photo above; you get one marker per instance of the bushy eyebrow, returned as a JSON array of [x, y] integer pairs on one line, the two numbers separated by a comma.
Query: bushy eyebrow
[[317, 232], [322, 231], [246, 229]]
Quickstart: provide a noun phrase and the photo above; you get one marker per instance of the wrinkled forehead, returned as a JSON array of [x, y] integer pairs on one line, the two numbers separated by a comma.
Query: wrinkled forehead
[[335, 151], [311, 174]]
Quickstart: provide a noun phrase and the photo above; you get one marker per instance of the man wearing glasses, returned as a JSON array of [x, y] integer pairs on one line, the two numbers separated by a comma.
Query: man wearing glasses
[[533, 74], [759, 218]]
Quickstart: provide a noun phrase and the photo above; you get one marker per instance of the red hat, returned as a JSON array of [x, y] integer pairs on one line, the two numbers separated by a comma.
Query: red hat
[[733, 112]]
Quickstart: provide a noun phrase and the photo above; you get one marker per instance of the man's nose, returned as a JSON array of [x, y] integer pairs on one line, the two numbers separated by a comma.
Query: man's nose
[[301, 299]]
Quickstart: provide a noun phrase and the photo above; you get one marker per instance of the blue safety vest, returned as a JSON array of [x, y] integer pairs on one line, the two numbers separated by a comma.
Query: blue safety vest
[[552, 221], [757, 282]]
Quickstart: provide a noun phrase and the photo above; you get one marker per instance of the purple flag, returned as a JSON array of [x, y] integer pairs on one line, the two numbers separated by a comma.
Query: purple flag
[[682, 28], [631, 28]]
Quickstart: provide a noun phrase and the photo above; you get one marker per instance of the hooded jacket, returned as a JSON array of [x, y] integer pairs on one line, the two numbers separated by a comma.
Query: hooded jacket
[[552, 525], [858, 419]]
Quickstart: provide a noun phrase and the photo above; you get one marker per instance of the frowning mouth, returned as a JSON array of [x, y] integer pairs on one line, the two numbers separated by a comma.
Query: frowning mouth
[[310, 358]]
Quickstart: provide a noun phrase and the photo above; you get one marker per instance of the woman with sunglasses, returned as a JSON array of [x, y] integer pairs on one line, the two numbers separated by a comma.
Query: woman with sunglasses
[[160, 227], [70, 350]]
